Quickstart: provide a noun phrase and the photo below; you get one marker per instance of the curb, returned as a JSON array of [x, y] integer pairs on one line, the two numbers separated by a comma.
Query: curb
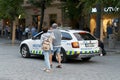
[[114, 51]]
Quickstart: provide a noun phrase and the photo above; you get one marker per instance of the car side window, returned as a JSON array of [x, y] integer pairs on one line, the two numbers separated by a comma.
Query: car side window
[[78, 36], [66, 36]]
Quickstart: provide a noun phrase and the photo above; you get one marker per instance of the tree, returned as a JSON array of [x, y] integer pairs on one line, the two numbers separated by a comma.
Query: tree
[[11, 9], [40, 4], [71, 11], [78, 9], [88, 4]]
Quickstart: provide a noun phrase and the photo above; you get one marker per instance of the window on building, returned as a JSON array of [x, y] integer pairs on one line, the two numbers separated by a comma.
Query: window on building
[[35, 19], [52, 18]]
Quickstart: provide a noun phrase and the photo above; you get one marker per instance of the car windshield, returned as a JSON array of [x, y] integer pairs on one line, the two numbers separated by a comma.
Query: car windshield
[[37, 36], [84, 36]]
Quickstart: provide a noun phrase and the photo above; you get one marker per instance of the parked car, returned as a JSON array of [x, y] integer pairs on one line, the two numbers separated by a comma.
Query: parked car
[[75, 44]]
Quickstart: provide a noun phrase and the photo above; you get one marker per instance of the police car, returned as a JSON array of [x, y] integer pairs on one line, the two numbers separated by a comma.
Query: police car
[[75, 44]]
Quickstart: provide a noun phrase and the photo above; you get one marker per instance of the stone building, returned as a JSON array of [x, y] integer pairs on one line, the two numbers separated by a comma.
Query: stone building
[[52, 14]]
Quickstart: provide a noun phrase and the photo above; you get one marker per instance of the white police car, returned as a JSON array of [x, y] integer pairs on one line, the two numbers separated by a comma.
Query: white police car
[[75, 44]]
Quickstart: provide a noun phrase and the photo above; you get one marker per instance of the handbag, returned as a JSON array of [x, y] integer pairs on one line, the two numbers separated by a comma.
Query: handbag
[[46, 44]]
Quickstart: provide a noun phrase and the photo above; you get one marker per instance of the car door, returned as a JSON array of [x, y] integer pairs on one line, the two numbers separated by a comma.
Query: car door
[[36, 45], [66, 41]]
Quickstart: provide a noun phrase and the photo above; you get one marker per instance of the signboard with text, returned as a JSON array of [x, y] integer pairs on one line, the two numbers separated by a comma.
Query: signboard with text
[[107, 9]]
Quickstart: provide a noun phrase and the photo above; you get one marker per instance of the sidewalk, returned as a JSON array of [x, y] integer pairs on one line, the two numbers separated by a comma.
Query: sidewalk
[[116, 49], [8, 41], [106, 46]]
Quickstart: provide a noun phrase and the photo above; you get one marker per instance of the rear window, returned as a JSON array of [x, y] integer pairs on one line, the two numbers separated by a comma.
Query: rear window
[[84, 36]]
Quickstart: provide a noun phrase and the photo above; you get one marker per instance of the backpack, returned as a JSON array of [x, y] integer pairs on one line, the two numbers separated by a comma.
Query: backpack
[[46, 44]]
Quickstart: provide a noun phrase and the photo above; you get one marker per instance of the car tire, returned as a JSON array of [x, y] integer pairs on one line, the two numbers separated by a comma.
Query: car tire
[[25, 51], [86, 59], [63, 56]]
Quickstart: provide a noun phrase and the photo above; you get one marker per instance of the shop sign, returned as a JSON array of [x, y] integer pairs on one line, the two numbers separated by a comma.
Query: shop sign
[[107, 9], [111, 9], [94, 10]]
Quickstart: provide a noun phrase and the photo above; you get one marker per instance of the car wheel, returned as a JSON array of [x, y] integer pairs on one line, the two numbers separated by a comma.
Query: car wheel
[[86, 59], [63, 56], [25, 51]]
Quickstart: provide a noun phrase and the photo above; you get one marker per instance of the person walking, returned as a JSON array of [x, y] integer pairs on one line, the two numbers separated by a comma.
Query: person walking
[[56, 45], [27, 30], [20, 32], [46, 53], [109, 30], [33, 30]]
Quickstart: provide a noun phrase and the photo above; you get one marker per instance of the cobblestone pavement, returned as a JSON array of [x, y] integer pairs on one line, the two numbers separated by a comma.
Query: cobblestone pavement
[[14, 67]]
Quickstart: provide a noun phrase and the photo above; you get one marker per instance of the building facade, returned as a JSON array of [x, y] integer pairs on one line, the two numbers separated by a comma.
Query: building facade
[[52, 14], [108, 15]]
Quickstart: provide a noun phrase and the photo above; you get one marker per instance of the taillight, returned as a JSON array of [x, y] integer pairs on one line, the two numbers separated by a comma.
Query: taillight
[[75, 44]]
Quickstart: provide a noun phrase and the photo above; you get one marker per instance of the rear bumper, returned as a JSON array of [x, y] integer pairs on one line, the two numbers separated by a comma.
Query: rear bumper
[[88, 55], [83, 55], [91, 52]]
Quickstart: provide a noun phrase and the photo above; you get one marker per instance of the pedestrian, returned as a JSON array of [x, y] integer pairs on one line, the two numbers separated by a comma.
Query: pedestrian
[[33, 30], [109, 30], [56, 45], [20, 32], [27, 30], [101, 45], [45, 36], [17, 32]]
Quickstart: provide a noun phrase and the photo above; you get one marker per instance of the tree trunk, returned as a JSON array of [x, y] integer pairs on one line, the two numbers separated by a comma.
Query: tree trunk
[[42, 15], [13, 31]]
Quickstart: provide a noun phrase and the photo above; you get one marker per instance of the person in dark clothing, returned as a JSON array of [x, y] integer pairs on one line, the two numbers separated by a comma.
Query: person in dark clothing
[[101, 45], [109, 30], [20, 32]]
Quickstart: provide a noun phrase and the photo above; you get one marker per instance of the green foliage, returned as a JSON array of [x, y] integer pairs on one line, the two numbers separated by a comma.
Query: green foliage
[[36, 3], [10, 8], [74, 8], [88, 4], [70, 9]]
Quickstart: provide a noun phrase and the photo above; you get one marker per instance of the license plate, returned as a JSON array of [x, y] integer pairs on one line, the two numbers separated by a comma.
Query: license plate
[[89, 45]]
